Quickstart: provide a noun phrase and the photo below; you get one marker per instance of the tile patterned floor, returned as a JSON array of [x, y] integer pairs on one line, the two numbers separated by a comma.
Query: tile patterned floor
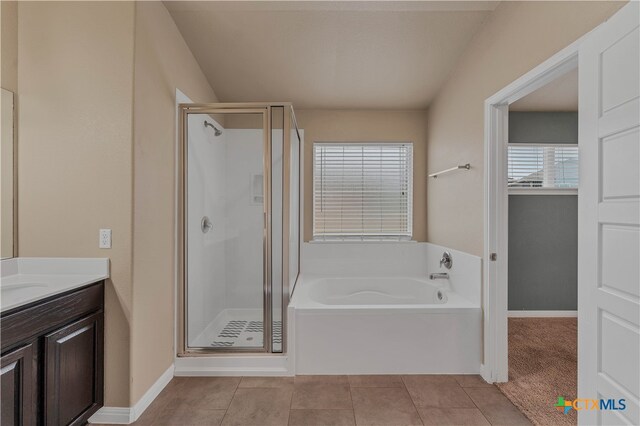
[[331, 400]]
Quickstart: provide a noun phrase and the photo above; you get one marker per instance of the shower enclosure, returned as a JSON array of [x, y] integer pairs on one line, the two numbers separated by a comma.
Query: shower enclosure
[[239, 226]]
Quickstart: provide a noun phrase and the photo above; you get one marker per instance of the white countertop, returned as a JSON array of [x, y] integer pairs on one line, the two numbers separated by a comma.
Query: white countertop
[[28, 279]]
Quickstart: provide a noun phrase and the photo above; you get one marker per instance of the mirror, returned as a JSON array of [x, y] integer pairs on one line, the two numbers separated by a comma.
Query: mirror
[[7, 177]]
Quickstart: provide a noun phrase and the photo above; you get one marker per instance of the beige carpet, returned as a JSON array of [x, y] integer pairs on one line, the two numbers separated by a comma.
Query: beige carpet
[[542, 366]]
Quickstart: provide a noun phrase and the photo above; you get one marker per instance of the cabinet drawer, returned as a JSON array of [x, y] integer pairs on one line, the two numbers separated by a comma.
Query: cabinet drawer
[[33, 321], [73, 378]]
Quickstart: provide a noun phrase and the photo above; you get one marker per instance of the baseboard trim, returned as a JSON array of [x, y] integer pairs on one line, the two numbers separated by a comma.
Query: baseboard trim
[[128, 415], [152, 393], [217, 371], [485, 373], [542, 314], [112, 416], [248, 365]]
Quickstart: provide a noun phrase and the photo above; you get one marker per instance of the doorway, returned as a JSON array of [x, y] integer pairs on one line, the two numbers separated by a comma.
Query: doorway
[[609, 193], [542, 280], [496, 245]]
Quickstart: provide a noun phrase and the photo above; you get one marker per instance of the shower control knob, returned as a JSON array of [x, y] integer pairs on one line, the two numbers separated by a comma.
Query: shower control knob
[[447, 260], [205, 224]]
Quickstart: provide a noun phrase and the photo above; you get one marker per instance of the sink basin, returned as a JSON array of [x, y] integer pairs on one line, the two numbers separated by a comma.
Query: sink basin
[[26, 280]]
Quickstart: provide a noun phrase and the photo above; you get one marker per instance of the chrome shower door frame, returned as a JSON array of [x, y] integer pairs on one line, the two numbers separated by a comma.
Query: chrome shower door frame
[[265, 109]]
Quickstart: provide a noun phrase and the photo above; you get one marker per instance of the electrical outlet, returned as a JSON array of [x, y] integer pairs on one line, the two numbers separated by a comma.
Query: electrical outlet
[[105, 238]]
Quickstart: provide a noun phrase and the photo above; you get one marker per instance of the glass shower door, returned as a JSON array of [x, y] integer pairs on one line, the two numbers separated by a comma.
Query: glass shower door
[[239, 196], [226, 205]]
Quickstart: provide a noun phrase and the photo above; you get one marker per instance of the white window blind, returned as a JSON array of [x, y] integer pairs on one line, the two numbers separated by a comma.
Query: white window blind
[[362, 191], [542, 166]]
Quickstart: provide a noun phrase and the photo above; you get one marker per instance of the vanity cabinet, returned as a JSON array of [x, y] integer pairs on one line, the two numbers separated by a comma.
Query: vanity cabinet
[[52, 359]]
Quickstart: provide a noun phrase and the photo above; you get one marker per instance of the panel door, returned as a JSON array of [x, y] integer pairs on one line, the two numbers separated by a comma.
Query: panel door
[[19, 384], [609, 232], [73, 388]]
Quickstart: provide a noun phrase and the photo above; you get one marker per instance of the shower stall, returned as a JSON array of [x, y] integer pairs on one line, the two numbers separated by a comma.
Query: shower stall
[[239, 226]]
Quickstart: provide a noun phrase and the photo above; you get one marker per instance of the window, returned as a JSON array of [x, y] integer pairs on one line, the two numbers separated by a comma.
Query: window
[[362, 191], [542, 167]]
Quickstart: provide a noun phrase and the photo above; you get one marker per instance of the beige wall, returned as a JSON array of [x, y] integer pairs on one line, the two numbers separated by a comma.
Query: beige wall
[[86, 163], [7, 181], [8, 81], [516, 37], [9, 45], [75, 168], [370, 126], [162, 62]]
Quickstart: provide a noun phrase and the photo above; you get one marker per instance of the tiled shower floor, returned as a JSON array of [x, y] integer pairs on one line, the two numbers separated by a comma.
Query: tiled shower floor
[[237, 328]]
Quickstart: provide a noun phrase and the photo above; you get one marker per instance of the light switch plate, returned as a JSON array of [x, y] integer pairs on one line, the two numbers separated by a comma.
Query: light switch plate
[[105, 238]]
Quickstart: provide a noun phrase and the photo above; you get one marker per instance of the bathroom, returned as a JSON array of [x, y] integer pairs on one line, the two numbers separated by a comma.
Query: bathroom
[[263, 212]]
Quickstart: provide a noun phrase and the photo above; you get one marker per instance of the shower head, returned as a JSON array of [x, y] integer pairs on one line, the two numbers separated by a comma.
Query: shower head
[[216, 131]]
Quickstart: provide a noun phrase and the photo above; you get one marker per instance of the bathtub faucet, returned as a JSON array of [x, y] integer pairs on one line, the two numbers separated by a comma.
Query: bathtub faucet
[[439, 276]]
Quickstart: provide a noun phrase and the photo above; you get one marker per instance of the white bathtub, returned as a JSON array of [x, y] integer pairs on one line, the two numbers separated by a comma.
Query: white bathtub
[[384, 325]]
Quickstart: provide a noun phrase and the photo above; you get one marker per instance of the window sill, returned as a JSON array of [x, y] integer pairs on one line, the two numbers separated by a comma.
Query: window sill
[[542, 191], [371, 241]]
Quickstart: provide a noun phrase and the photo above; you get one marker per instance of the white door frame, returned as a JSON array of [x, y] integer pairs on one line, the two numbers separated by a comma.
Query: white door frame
[[496, 213]]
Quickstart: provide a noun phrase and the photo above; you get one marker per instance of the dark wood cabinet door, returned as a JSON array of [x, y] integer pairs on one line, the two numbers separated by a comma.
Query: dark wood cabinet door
[[73, 378], [19, 382]]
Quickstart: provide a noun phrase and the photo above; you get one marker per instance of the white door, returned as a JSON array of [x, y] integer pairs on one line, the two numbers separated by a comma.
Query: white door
[[608, 225]]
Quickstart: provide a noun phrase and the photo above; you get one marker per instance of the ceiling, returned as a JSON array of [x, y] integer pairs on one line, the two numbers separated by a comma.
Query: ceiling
[[559, 95], [328, 54]]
